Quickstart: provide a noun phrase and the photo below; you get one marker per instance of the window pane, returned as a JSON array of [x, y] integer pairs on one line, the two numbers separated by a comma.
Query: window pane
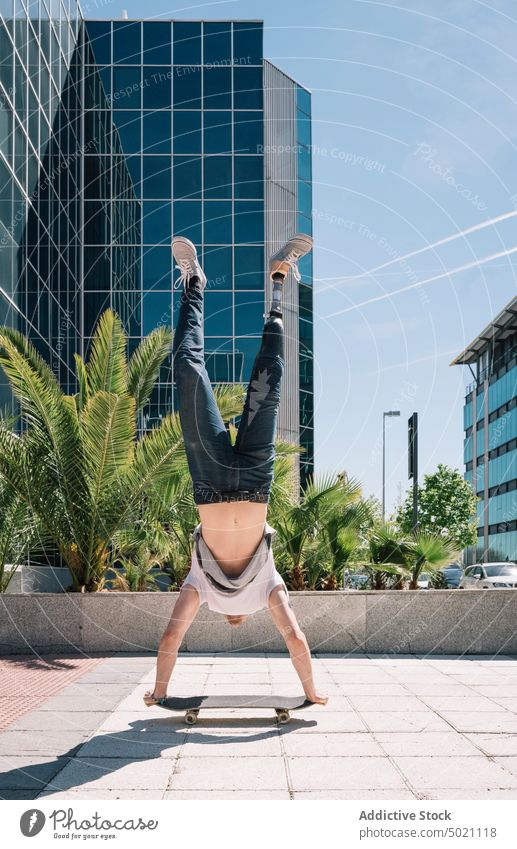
[[303, 128], [218, 222], [99, 34], [217, 265], [187, 220], [187, 43], [249, 268], [187, 132], [248, 132], [247, 43], [217, 132], [187, 177], [217, 176], [217, 42], [126, 87], [304, 197], [96, 223], [127, 125], [127, 42], [247, 84], [157, 132], [157, 268], [157, 88], [249, 313], [157, 177], [249, 221], [187, 88], [303, 100], [218, 313], [97, 177], [249, 177], [219, 360], [157, 310], [245, 353], [157, 43], [217, 88], [94, 305], [97, 268], [304, 163], [157, 222]]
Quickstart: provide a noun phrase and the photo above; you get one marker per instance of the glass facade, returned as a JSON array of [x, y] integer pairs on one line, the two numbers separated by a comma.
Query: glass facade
[[114, 136], [490, 448]]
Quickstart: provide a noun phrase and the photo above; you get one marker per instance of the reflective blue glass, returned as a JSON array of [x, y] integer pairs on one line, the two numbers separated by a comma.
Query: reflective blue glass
[[218, 313], [187, 43], [187, 220], [157, 311], [99, 34], [157, 131], [249, 267], [156, 222], [217, 265], [96, 223], [304, 163], [127, 42], [249, 313], [97, 268], [127, 88], [248, 132], [217, 222], [157, 43], [157, 88], [187, 177], [127, 125], [303, 128], [217, 132], [94, 305], [219, 359], [156, 177], [249, 221], [247, 43], [217, 42], [217, 88], [134, 166], [157, 268], [105, 75], [303, 100], [245, 352], [304, 197], [187, 132], [186, 87], [247, 83], [249, 177], [217, 176]]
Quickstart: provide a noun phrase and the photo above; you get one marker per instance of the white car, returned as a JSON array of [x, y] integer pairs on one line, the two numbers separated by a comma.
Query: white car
[[490, 576]]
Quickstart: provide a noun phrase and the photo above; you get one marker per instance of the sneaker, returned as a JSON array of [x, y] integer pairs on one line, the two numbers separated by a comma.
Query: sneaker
[[288, 255], [185, 254]]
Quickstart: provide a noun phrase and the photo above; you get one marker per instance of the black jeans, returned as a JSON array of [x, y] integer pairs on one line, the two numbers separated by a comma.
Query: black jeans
[[221, 471]]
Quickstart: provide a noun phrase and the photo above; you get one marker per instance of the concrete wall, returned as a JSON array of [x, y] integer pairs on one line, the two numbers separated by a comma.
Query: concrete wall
[[420, 622]]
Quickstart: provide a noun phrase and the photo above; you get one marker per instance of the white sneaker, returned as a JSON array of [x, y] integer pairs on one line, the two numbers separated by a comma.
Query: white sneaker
[[288, 255], [185, 254]]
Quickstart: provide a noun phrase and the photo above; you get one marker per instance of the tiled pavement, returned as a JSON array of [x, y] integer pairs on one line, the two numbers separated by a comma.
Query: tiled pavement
[[395, 727]]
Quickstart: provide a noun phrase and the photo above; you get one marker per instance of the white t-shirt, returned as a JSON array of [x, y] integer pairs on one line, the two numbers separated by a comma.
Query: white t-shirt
[[250, 598]]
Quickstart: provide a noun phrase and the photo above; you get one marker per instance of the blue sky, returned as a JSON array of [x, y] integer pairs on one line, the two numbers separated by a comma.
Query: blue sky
[[414, 141]]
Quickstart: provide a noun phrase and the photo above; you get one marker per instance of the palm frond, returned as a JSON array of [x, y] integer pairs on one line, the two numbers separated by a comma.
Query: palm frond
[[107, 364], [144, 364]]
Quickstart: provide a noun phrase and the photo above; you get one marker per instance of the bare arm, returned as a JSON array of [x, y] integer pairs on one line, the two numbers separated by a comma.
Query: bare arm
[[286, 622], [182, 617]]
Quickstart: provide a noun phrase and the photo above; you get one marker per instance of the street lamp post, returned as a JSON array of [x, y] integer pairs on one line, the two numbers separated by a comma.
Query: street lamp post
[[389, 413]]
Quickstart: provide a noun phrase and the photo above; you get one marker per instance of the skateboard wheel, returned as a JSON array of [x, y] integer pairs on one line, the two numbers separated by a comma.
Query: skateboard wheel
[[191, 717], [283, 716]]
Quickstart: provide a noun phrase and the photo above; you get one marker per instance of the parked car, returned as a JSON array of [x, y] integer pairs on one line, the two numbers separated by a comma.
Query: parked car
[[490, 576], [453, 575], [423, 581], [356, 582]]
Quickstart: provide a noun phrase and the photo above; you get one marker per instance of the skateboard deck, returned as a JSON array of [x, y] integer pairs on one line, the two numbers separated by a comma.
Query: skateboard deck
[[282, 705]]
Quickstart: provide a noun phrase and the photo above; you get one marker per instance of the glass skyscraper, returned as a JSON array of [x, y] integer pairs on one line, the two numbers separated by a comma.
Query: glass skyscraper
[[490, 423], [170, 127]]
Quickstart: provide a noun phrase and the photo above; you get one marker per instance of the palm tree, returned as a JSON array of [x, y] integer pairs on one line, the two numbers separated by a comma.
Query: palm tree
[[79, 463], [427, 553], [18, 531]]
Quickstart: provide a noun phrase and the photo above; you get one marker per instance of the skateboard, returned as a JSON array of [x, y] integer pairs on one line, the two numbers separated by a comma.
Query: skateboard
[[282, 705]]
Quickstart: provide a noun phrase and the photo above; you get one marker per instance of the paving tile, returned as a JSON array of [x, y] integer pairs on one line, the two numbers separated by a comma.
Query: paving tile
[[13, 795], [113, 773], [509, 763], [463, 703], [482, 721], [432, 688], [364, 793], [378, 721], [325, 722], [132, 745], [26, 772], [351, 744], [81, 703], [337, 773], [458, 772], [467, 793], [388, 703], [97, 794], [53, 742], [494, 744], [426, 745], [231, 743], [213, 773], [153, 719], [42, 720], [229, 795], [369, 689]]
